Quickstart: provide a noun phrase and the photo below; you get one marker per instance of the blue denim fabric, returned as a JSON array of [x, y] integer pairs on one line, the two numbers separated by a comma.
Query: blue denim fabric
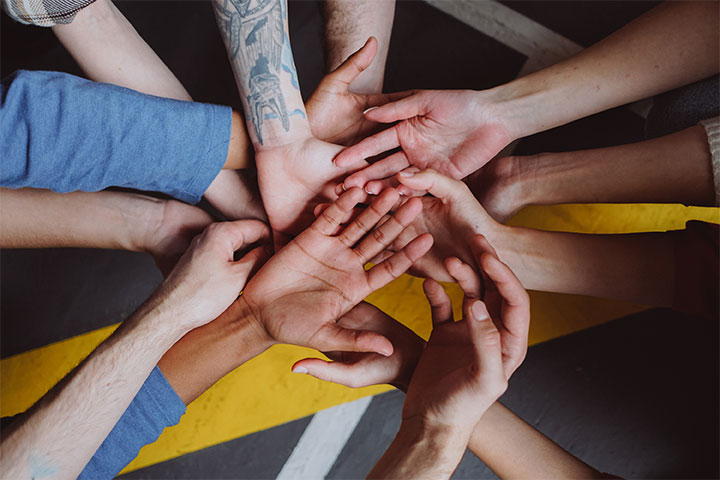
[[65, 133]]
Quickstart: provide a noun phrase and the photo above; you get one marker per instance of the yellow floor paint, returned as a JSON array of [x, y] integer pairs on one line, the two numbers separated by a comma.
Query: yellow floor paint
[[263, 393]]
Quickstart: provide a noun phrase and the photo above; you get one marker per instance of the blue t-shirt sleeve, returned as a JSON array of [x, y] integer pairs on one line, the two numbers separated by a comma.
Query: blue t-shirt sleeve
[[155, 407], [65, 133]]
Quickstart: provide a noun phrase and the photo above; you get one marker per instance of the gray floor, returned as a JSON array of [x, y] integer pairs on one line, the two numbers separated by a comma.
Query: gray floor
[[637, 397]]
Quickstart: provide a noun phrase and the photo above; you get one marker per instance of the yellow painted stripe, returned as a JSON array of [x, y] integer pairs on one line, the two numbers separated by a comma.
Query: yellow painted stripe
[[263, 393]]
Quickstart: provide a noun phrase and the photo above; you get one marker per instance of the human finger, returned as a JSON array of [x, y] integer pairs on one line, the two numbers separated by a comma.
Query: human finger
[[486, 343], [368, 219], [440, 304], [383, 236], [435, 183], [410, 106], [331, 217], [355, 64], [333, 337], [465, 276], [368, 147], [353, 375], [398, 263]]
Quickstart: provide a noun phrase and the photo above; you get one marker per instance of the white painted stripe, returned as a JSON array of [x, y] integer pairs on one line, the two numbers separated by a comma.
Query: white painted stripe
[[541, 45], [323, 440]]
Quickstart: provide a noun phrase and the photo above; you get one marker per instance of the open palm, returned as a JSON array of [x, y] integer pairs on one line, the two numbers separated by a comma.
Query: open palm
[[448, 131], [335, 113], [301, 292]]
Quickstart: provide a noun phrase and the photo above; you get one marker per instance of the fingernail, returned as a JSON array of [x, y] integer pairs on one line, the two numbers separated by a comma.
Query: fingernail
[[386, 353], [368, 191], [300, 369], [407, 174], [368, 109], [479, 311]]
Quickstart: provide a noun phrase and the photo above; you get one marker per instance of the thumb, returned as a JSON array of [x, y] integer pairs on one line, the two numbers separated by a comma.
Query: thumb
[[336, 372], [355, 63], [440, 186], [332, 337]]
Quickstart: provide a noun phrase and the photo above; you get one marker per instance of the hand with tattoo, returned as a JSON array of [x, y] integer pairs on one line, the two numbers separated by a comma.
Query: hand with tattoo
[[452, 132], [298, 296]]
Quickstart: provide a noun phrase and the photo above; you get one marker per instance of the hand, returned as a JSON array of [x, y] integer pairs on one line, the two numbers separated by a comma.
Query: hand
[[293, 178], [299, 295], [453, 132], [452, 216], [336, 114], [466, 365], [360, 369], [206, 279]]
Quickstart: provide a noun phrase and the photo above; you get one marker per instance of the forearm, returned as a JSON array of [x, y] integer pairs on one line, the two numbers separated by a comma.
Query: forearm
[[86, 405], [633, 267], [421, 451], [32, 218], [514, 449], [670, 46], [206, 354], [256, 37], [348, 25], [672, 169], [108, 49]]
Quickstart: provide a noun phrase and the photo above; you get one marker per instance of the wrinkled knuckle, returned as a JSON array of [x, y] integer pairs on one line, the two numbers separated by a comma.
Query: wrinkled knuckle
[[379, 236]]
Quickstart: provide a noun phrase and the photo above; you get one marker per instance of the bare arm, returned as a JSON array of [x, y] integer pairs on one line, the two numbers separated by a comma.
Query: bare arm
[[89, 402], [672, 45], [514, 449], [348, 25], [109, 49], [675, 168], [256, 37]]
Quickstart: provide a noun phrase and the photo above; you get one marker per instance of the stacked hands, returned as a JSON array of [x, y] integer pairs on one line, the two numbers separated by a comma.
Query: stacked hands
[[311, 291], [411, 182]]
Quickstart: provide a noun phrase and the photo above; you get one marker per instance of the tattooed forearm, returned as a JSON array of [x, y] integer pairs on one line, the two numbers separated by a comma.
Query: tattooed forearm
[[259, 48]]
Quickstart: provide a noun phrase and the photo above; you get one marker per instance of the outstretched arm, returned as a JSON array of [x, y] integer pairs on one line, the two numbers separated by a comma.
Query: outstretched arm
[[675, 168], [33, 218], [633, 267], [108, 49], [256, 36], [90, 400], [456, 133]]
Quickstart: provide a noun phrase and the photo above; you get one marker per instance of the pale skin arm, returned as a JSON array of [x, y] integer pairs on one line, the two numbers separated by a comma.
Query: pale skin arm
[[458, 132], [109, 49], [87, 404], [674, 168], [513, 449], [672, 45], [633, 267], [348, 25]]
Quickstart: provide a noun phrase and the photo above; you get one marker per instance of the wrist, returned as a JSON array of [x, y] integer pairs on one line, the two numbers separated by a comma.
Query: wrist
[[444, 444], [518, 106], [246, 329]]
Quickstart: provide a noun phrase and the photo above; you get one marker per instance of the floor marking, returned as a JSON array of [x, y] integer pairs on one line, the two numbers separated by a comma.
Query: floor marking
[[541, 45], [323, 440]]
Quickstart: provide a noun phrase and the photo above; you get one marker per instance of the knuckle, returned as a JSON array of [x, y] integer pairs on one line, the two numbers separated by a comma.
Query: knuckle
[[379, 236]]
